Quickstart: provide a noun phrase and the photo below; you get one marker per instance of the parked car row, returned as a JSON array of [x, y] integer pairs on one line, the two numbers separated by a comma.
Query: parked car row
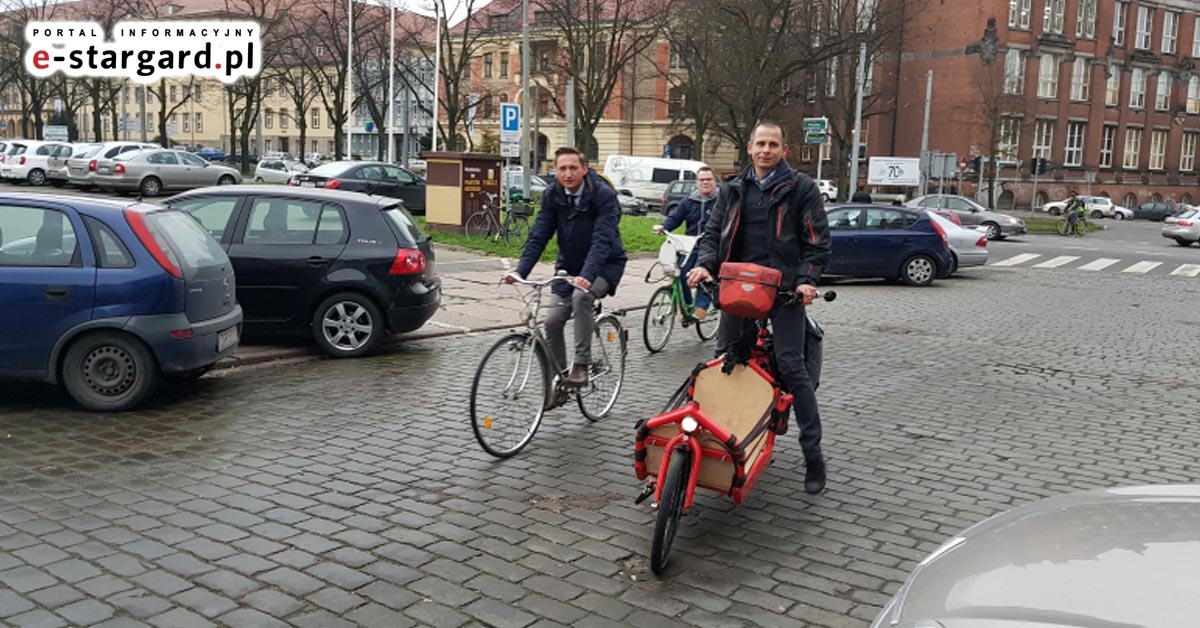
[[108, 296]]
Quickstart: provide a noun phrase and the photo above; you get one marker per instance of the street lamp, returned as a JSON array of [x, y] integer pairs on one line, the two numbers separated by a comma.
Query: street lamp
[[437, 69], [349, 75], [391, 123]]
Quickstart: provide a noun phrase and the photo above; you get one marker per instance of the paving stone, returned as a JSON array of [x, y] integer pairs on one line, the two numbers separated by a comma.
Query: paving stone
[[232, 585], [13, 604], [85, 612], [37, 619], [56, 596], [336, 600], [250, 618], [205, 602], [291, 581], [139, 602], [498, 614], [180, 618], [26, 579], [273, 603]]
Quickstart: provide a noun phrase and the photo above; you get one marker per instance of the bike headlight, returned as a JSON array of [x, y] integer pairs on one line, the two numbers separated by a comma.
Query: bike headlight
[[689, 425]]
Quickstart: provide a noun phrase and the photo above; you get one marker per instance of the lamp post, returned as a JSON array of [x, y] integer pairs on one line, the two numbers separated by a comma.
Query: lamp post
[[391, 121], [349, 76], [437, 70]]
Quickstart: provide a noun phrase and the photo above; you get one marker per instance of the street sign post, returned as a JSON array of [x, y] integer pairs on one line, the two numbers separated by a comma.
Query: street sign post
[[57, 133], [510, 149], [816, 132], [510, 122]]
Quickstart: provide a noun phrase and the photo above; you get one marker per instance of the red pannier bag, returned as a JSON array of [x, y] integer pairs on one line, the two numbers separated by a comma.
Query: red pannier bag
[[748, 290]]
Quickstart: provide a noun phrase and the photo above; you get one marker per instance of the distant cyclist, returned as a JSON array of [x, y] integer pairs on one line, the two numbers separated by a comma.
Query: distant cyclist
[[1074, 210]]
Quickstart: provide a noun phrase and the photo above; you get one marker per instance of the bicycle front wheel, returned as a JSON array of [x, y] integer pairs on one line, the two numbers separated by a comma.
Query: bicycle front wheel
[[1062, 227], [508, 395], [707, 328], [479, 226], [607, 371], [670, 509], [515, 230], [658, 320], [1081, 228]]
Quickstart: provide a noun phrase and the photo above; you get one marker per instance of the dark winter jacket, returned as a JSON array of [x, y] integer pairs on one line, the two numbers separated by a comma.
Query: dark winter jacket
[[800, 248], [589, 242], [694, 210]]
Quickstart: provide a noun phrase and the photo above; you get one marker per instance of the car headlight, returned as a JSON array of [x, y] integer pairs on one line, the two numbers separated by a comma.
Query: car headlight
[[1010, 220]]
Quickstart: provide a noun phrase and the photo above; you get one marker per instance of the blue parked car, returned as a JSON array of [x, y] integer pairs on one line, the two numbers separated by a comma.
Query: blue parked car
[[888, 242], [106, 296], [211, 154]]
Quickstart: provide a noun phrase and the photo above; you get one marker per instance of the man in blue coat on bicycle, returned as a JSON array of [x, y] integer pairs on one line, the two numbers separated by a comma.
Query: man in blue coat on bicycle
[[581, 208], [773, 216], [694, 211]]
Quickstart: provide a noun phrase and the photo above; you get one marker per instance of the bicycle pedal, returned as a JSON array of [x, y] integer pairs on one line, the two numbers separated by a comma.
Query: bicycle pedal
[[647, 491]]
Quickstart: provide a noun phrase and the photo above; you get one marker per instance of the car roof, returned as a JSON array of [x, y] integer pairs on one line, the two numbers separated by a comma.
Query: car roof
[[95, 205], [899, 208], [289, 191]]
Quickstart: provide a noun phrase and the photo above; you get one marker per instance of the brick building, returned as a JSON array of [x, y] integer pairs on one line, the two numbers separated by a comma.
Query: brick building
[[1108, 90]]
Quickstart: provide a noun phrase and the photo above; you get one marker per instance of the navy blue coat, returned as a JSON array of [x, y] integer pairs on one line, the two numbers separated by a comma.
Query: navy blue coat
[[694, 210], [589, 241]]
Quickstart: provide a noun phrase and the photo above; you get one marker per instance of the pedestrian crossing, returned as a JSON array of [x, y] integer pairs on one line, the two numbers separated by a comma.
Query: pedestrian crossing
[[1072, 262]]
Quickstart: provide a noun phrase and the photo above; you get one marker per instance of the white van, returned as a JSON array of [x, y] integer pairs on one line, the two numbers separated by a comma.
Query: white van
[[647, 178]]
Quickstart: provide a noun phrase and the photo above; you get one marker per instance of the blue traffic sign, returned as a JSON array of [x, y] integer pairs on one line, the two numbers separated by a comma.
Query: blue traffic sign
[[510, 122]]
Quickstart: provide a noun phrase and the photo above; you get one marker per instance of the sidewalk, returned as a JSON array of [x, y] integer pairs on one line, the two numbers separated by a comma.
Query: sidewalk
[[472, 301]]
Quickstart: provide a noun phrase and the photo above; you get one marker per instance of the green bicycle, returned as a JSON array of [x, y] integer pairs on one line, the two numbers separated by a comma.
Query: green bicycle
[[1064, 227], [667, 303]]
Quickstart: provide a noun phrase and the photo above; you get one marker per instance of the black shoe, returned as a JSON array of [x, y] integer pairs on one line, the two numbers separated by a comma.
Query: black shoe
[[814, 476], [578, 377]]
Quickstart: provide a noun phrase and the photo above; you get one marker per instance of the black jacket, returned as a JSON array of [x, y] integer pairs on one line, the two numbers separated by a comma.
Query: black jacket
[[800, 248], [589, 241]]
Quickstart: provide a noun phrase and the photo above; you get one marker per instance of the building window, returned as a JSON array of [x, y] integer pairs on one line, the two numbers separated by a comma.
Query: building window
[[1043, 137], [1158, 149], [1120, 17], [316, 146], [1170, 31], [1193, 99], [1107, 140], [1018, 13], [487, 66], [831, 79], [316, 118], [675, 102], [1048, 77], [1137, 89], [1145, 24], [1133, 146], [1162, 95], [1010, 140], [196, 91], [1187, 155], [174, 93], [503, 54], [1074, 153], [1052, 17], [1112, 92], [1196, 38], [187, 125], [1014, 72], [677, 60], [283, 118], [1081, 78], [199, 122], [267, 145], [269, 120], [331, 148], [1085, 25]]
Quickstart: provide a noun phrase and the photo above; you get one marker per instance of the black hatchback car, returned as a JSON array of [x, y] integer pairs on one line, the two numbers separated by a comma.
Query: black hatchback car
[[346, 267], [1155, 211], [368, 177]]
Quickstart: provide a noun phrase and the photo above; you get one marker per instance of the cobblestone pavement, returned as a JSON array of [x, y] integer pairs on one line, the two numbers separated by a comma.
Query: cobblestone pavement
[[325, 493]]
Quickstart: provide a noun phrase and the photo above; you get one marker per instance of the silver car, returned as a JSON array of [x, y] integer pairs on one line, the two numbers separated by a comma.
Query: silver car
[[972, 214], [968, 247], [1183, 228], [82, 167], [57, 169], [1109, 558], [277, 170], [149, 172]]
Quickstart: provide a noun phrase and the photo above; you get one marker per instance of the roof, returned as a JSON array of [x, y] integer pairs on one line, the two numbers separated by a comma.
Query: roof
[[78, 201], [318, 194]]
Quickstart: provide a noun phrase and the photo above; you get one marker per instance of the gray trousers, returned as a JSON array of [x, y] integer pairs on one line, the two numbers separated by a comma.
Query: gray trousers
[[789, 329], [580, 306]]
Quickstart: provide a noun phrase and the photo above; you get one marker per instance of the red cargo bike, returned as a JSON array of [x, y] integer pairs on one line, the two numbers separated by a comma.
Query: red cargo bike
[[717, 432]]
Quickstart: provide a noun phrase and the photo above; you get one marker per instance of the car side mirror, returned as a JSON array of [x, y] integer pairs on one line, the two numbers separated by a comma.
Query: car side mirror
[[625, 193]]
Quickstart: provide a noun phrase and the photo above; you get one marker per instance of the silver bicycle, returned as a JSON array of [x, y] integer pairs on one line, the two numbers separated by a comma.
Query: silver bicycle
[[516, 382]]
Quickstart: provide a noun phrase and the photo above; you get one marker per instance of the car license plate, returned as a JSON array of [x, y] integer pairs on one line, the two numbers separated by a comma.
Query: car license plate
[[227, 338], [307, 184]]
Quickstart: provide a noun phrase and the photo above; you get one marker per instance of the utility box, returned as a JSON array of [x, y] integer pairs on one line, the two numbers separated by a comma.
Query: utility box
[[456, 185]]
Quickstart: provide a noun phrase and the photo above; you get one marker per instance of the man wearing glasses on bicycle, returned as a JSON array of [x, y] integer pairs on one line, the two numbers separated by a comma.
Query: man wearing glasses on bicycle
[[581, 208], [694, 210], [773, 216]]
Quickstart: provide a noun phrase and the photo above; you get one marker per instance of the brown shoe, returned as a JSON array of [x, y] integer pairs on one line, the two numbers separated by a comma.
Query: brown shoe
[[578, 377], [701, 314]]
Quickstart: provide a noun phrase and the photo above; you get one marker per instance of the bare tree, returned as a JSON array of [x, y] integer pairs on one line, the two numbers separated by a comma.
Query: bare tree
[[296, 83], [460, 45], [371, 76], [595, 42], [318, 31], [689, 107], [273, 17], [33, 92]]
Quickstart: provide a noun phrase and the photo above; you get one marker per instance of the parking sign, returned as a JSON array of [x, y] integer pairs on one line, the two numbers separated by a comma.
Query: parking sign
[[510, 122]]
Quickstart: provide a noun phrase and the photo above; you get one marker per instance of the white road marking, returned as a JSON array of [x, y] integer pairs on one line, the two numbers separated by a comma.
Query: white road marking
[[1056, 262], [1142, 267], [1100, 264], [1018, 259], [1187, 270]]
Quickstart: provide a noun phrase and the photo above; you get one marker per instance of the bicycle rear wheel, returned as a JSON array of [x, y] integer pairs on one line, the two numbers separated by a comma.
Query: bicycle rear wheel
[[515, 229], [479, 226], [508, 395], [670, 508], [658, 320], [607, 371]]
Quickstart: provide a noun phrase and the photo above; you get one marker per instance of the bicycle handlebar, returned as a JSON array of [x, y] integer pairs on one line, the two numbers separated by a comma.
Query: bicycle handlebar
[[560, 276], [792, 297]]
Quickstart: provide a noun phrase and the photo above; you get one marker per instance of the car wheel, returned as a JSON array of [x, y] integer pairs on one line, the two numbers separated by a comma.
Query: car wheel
[[1182, 242], [1097, 214], [993, 230], [109, 372], [347, 325], [918, 270], [1054, 211], [36, 177], [226, 179], [258, 179], [824, 197], [1119, 216], [151, 186]]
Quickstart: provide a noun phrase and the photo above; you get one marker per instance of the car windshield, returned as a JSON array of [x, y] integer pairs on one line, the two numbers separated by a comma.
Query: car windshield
[[330, 170], [296, 166]]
